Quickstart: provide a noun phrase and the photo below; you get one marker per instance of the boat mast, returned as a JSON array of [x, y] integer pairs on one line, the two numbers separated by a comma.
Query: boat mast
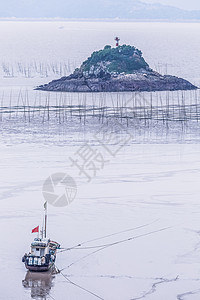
[[45, 219]]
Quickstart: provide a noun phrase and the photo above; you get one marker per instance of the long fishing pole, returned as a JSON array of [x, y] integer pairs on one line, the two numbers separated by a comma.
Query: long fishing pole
[[80, 287], [102, 247], [106, 236], [51, 296], [117, 243]]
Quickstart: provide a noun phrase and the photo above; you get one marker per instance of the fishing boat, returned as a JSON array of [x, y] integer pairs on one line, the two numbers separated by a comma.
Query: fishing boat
[[42, 255]]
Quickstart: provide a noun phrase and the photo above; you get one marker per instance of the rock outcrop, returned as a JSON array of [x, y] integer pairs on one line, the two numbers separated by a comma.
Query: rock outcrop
[[119, 69]]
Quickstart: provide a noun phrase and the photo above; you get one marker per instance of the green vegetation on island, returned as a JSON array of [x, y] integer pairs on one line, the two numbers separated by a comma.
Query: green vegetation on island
[[122, 59]]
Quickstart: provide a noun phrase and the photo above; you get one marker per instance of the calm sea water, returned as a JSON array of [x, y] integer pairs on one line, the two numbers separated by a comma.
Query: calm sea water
[[170, 47], [149, 184]]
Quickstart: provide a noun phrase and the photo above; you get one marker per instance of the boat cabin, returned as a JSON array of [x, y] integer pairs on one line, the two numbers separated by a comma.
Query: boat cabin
[[40, 247]]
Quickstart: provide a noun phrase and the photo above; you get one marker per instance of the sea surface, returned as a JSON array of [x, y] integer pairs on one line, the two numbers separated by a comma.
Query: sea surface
[[137, 208]]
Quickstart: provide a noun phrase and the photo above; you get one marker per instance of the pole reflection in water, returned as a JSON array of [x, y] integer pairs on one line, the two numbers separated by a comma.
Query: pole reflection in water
[[39, 284]]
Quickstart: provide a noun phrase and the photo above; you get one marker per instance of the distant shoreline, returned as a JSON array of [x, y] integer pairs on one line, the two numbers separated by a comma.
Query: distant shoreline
[[13, 19]]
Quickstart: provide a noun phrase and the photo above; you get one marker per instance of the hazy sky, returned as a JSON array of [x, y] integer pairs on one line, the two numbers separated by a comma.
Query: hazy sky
[[185, 4], [98, 9]]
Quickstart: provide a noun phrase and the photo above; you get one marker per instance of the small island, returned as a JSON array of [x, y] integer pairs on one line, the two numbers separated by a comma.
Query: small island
[[120, 69]]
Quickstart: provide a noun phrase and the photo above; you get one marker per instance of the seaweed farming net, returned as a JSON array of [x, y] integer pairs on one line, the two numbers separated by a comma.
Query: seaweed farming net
[[150, 117]]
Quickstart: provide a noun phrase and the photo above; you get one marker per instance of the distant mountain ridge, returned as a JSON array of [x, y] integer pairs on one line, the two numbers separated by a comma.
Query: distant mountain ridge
[[90, 9]]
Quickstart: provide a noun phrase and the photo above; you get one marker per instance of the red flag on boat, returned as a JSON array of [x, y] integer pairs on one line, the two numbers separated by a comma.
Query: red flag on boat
[[36, 229]]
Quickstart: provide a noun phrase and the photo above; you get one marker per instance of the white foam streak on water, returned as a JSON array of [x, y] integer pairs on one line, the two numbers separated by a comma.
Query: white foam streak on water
[[155, 184]]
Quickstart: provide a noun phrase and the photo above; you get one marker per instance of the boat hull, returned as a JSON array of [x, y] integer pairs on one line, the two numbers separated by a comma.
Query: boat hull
[[39, 268]]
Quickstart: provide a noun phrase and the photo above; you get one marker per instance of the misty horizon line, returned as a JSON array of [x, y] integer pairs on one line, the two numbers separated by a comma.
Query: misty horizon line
[[162, 20]]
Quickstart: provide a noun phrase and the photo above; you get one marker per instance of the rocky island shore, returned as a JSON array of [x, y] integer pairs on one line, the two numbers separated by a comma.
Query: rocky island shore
[[119, 69]]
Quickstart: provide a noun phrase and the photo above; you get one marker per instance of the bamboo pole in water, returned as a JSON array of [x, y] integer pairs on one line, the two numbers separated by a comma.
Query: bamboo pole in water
[[2, 98]]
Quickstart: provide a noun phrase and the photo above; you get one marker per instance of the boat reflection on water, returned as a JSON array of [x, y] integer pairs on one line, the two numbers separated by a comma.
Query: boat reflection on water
[[39, 283]]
